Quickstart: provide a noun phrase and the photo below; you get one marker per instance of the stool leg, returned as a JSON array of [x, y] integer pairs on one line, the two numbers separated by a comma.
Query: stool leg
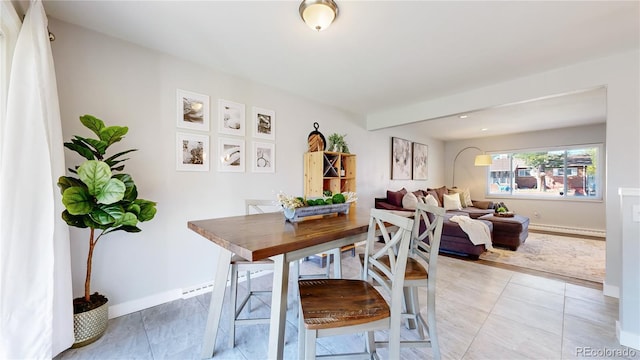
[[233, 294], [248, 275]]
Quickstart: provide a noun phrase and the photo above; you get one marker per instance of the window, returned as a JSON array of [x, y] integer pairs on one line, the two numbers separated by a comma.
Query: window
[[559, 173]]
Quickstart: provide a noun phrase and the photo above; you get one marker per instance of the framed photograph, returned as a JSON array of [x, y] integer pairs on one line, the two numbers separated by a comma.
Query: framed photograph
[[400, 159], [230, 118], [264, 157], [192, 152], [420, 152], [193, 110], [264, 123], [230, 155]]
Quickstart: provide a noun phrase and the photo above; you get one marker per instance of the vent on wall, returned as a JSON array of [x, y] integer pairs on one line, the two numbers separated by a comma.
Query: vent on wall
[[568, 230]]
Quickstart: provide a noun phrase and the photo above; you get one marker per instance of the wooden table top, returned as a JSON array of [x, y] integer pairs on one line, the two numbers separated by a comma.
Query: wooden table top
[[259, 236]]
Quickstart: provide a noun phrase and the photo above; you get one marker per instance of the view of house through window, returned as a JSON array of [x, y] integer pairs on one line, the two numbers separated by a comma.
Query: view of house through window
[[557, 173]]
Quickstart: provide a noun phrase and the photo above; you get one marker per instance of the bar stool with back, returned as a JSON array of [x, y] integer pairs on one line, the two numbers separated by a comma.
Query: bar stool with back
[[240, 265], [342, 306], [421, 272]]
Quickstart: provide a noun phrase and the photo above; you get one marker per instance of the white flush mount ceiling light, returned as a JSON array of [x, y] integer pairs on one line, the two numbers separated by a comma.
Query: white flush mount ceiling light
[[318, 14]]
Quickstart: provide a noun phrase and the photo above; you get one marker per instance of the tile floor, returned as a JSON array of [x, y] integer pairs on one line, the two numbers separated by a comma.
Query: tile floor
[[483, 312]]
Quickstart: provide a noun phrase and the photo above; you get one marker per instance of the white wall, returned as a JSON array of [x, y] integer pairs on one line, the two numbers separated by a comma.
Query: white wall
[[124, 84], [619, 73], [585, 215], [629, 324]]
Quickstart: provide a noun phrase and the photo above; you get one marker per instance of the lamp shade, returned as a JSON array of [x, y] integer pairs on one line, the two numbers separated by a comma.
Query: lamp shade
[[483, 160], [318, 14]]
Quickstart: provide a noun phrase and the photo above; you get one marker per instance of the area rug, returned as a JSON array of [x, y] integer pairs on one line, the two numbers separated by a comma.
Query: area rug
[[563, 255]]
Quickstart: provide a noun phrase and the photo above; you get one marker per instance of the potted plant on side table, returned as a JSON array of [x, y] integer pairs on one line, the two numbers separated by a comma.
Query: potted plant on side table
[[103, 202]]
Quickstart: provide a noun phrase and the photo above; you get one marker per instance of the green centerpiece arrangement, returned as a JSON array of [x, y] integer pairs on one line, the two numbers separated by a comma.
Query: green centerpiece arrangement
[[502, 210], [103, 202], [297, 208]]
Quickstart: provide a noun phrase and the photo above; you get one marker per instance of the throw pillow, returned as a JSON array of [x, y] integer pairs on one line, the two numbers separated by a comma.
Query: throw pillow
[[452, 202], [431, 200], [434, 194], [409, 201], [465, 196], [395, 197], [441, 191]]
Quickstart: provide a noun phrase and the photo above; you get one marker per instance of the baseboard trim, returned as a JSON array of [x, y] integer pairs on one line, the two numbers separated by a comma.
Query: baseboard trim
[[146, 302], [629, 339], [590, 233], [610, 290]]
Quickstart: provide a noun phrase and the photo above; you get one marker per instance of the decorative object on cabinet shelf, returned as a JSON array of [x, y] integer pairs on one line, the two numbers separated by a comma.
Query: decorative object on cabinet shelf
[[316, 140], [401, 159], [193, 110], [337, 143]]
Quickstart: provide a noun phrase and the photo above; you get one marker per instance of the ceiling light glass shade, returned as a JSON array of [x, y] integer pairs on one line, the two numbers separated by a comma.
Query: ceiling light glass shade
[[318, 14], [483, 160]]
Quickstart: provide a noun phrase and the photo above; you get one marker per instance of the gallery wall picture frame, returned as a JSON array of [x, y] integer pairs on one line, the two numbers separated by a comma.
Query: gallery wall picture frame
[[231, 118], [192, 152], [264, 123], [192, 110], [264, 157], [420, 161], [400, 159], [231, 155]]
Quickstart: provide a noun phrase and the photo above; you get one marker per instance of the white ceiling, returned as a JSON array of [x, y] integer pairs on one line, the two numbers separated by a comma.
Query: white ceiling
[[378, 54]]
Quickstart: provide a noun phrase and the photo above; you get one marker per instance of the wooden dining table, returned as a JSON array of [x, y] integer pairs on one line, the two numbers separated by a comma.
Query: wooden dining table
[[261, 236]]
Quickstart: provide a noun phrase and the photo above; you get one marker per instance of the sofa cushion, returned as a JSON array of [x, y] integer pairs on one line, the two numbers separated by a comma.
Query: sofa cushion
[[452, 202], [395, 197], [440, 191], [409, 201], [485, 204]]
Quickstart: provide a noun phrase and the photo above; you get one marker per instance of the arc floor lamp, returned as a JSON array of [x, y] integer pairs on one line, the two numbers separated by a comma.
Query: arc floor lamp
[[480, 160]]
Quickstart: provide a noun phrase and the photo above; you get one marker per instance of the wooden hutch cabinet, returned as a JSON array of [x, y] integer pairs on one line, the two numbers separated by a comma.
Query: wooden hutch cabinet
[[327, 170]]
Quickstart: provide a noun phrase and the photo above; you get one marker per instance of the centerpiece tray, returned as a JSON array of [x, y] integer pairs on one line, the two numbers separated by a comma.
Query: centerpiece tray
[[298, 214], [504, 214]]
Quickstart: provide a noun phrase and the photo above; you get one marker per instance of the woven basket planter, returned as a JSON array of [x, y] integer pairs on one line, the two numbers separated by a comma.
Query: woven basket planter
[[90, 325]]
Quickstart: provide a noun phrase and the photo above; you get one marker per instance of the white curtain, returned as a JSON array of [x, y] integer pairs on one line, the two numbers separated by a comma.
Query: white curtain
[[36, 315]]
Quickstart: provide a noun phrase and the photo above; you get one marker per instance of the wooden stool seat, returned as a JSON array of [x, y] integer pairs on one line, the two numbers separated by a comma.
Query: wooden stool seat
[[353, 302]]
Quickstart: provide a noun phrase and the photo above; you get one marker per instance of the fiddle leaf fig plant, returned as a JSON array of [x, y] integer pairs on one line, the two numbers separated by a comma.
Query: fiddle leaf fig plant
[[97, 198]]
